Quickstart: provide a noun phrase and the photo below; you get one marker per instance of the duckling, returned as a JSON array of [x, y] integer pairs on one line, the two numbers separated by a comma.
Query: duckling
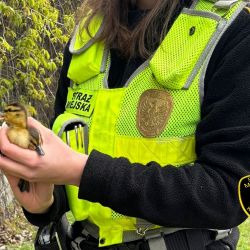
[[15, 116]]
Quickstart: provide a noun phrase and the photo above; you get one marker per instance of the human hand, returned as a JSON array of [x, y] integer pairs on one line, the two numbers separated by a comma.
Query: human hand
[[37, 200], [59, 165]]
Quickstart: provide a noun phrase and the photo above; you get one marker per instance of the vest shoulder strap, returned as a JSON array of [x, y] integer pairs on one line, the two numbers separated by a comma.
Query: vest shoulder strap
[[189, 44], [83, 39]]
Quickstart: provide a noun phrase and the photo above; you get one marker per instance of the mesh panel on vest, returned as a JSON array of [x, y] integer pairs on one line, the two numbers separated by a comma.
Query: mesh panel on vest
[[184, 117], [181, 49], [116, 216]]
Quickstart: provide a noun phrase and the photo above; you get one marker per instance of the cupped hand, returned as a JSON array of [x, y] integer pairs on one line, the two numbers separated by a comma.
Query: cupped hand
[[37, 200], [60, 165]]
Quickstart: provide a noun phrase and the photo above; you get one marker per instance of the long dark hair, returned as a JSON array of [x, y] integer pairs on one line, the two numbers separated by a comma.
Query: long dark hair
[[142, 39]]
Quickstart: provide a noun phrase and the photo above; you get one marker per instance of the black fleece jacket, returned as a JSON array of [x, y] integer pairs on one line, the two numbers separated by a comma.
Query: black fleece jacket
[[200, 196]]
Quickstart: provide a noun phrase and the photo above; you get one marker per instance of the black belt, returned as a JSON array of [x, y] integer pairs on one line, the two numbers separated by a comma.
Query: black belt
[[191, 239]]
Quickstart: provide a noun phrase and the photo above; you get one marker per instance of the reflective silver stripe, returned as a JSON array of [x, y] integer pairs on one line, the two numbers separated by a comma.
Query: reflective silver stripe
[[104, 60], [71, 84], [225, 4], [141, 223], [214, 44], [84, 132], [193, 5], [105, 79], [202, 58], [87, 45], [201, 13], [157, 244], [211, 44]]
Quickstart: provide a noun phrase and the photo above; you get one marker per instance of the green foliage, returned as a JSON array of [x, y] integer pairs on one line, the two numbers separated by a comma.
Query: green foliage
[[33, 34]]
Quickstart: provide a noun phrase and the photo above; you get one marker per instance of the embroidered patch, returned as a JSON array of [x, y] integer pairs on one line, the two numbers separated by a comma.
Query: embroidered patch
[[153, 112], [244, 194], [80, 102]]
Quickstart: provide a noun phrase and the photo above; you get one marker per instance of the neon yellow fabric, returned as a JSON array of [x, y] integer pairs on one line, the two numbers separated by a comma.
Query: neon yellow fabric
[[181, 50], [176, 151], [92, 59], [185, 114], [102, 137], [80, 102], [112, 120], [92, 56], [82, 38]]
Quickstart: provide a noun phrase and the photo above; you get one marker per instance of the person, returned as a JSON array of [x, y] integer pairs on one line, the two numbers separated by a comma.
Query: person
[[153, 107]]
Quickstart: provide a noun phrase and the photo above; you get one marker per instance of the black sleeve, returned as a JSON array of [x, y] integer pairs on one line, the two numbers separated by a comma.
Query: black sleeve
[[203, 195], [58, 208]]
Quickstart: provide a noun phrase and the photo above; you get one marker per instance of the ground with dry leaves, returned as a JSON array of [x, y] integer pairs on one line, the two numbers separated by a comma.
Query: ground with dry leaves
[[15, 232]]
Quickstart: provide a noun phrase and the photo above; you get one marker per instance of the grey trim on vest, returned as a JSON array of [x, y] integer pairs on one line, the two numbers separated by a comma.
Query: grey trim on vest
[[87, 45], [225, 4], [201, 13], [193, 5], [142, 226], [128, 236], [205, 53], [138, 70], [214, 43], [106, 77], [71, 84], [220, 26], [157, 244], [104, 60], [85, 130]]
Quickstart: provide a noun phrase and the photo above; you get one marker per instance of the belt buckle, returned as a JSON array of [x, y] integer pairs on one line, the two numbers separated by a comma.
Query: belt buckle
[[221, 234]]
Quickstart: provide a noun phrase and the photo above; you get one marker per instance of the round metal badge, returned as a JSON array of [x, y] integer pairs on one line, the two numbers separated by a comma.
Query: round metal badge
[[153, 112]]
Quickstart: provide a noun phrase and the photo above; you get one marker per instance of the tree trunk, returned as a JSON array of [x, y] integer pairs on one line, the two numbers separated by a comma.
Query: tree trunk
[[7, 202]]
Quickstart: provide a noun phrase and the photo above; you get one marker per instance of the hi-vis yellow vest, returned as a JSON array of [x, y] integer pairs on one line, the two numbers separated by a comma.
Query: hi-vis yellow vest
[[153, 117]]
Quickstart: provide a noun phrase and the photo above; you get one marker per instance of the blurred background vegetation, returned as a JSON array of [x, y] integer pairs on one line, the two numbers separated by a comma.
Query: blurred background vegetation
[[33, 34]]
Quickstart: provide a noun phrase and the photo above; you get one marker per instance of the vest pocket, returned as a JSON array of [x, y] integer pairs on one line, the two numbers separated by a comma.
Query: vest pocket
[[73, 131], [184, 50]]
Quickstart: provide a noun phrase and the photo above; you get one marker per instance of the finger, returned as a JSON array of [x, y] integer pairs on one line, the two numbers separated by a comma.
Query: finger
[[12, 151], [14, 168]]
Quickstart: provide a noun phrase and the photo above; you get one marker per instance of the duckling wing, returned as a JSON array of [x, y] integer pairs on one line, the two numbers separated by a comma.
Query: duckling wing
[[35, 140]]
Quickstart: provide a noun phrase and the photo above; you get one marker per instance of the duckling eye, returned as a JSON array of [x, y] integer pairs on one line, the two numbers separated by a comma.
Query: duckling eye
[[17, 115]]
